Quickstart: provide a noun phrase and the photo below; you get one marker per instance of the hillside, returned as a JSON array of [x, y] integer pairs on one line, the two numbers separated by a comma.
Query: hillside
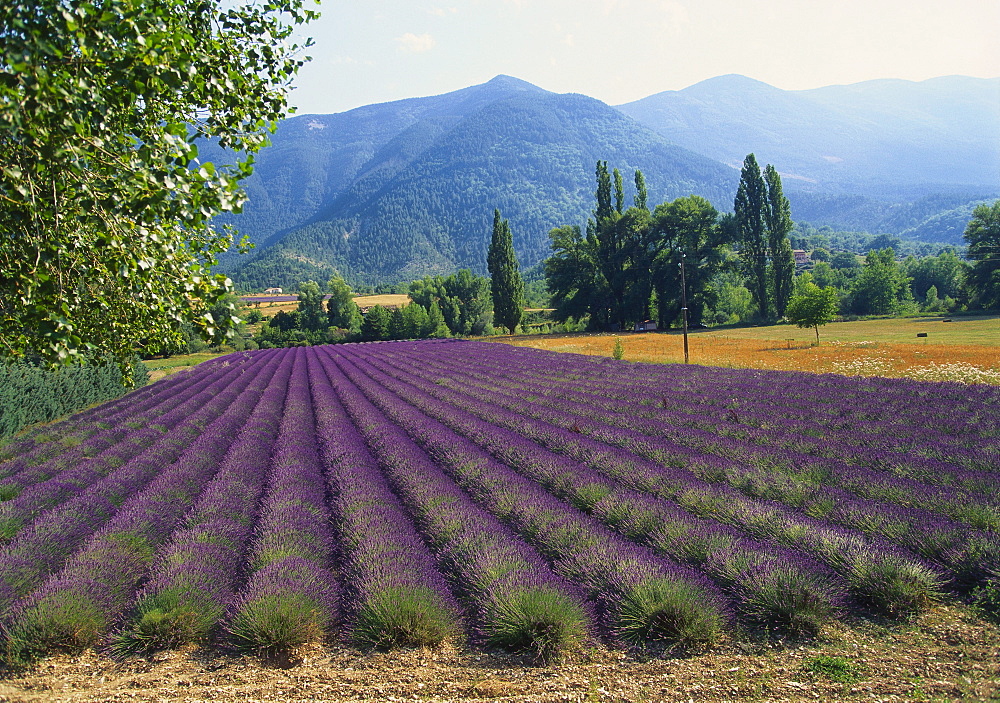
[[398, 190], [315, 158], [423, 202], [888, 138]]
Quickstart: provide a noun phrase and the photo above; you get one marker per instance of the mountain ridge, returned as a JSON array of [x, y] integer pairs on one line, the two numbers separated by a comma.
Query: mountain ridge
[[405, 188]]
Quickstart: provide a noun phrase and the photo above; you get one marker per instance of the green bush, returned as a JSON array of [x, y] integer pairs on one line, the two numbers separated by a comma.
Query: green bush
[[30, 393]]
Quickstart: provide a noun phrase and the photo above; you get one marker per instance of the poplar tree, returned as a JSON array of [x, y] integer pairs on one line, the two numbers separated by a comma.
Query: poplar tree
[[506, 284], [619, 192], [749, 209], [778, 219], [604, 208], [641, 196]]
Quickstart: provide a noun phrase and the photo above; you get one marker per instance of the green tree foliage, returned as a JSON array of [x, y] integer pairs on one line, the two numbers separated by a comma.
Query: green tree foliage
[[983, 237], [436, 326], [573, 277], [506, 284], [641, 196], [342, 312], [881, 288], [813, 307], [845, 260], [463, 299], [623, 254], [105, 212], [311, 315], [624, 260], [749, 209], [687, 226], [376, 324], [946, 273], [778, 219], [733, 301], [609, 275]]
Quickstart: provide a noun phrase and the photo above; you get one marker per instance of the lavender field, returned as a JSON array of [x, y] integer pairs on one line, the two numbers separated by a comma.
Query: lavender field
[[410, 492]]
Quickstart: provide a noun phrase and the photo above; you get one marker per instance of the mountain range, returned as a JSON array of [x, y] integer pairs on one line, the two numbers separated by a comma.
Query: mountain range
[[403, 189]]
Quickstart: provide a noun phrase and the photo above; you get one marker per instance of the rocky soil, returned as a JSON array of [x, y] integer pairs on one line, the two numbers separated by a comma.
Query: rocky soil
[[946, 654]]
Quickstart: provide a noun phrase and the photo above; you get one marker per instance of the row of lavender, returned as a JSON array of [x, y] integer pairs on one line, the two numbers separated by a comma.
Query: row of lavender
[[950, 518], [409, 492]]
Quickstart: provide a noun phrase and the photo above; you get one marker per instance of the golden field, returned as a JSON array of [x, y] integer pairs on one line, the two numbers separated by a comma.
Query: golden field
[[964, 349], [388, 300]]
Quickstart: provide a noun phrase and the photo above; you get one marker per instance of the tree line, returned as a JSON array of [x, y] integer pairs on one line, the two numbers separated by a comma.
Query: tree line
[[624, 267]]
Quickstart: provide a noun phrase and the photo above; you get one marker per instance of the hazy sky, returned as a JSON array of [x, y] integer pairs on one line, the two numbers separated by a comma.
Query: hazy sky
[[369, 51]]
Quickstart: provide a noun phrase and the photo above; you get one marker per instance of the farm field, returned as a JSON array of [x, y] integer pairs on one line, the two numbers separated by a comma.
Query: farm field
[[272, 305], [965, 349], [486, 500]]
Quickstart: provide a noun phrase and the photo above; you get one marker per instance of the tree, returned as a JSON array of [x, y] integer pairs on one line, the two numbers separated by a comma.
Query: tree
[[311, 317], [463, 299], [106, 239], [436, 326], [624, 262], [778, 219], [641, 196], [881, 287], [376, 324], [687, 226], [603, 193], [341, 310], [574, 279], [749, 209], [506, 283], [983, 236], [470, 295], [813, 307]]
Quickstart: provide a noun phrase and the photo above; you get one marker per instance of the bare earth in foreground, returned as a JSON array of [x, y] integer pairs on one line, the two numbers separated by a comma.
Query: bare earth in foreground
[[945, 654]]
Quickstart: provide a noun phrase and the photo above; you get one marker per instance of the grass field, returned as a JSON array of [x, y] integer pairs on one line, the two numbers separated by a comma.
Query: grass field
[[965, 349]]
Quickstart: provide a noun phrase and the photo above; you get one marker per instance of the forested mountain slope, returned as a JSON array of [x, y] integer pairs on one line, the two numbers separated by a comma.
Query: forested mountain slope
[[883, 138], [398, 190], [423, 201]]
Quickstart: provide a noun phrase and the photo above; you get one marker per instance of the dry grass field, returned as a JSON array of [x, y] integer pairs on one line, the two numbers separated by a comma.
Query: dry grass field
[[965, 349], [388, 300]]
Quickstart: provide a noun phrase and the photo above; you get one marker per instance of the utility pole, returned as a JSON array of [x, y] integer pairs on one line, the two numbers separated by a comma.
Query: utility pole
[[684, 306]]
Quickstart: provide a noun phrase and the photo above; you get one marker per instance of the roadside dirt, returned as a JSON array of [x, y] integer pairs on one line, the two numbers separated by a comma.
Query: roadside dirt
[[946, 654]]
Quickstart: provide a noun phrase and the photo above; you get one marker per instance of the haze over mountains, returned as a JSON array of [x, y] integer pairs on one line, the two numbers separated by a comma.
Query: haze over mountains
[[402, 189]]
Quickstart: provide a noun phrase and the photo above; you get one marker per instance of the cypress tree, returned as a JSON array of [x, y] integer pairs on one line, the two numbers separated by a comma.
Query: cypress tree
[[506, 284]]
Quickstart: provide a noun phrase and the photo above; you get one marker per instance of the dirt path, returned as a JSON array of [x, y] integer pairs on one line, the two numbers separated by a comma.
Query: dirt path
[[946, 654]]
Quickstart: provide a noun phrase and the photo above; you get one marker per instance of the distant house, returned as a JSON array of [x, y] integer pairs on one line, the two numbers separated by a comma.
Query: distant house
[[647, 326], [801, 257], [272, 291]]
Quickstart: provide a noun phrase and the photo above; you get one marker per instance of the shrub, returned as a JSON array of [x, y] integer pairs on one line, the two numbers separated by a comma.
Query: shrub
[[404, 616]]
